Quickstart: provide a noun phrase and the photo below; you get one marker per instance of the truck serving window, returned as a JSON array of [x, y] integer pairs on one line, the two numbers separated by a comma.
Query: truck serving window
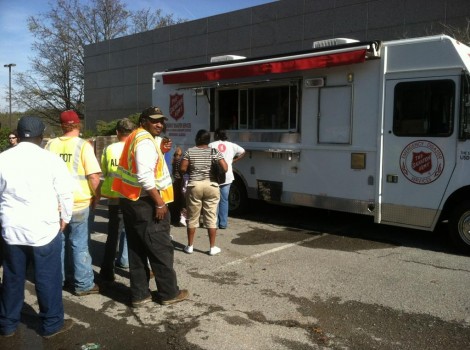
[[258, 108], [424, 108]]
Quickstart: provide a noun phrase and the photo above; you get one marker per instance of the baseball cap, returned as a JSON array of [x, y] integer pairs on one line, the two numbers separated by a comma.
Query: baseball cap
[[29, 126], [69, 117], [153, 113]]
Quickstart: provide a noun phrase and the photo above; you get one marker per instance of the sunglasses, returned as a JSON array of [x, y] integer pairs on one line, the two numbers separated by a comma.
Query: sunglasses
[[155, 121]]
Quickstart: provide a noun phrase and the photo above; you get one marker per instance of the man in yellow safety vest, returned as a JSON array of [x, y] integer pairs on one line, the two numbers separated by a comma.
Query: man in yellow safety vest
[[79, 156], [145, 185], [116, 232]]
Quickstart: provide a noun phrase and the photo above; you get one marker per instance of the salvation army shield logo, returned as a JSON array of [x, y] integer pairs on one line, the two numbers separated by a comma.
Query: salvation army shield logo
[[422, 162], [176, 106]]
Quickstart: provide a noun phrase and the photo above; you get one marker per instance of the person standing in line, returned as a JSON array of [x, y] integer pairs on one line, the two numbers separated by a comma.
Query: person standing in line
[[79, 156], [12, 139], [202, 193], [116, 231], [232, 153], [145, 185], [178, 207], [34, 184]]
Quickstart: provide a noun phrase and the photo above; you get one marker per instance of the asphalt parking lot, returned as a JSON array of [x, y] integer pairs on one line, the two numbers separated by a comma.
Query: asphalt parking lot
[[287, 278]]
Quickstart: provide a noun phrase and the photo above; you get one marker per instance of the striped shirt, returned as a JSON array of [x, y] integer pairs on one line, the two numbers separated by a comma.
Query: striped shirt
[[200, 162]]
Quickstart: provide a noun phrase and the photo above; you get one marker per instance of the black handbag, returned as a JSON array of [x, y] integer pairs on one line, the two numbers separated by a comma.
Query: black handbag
[[217, 171]]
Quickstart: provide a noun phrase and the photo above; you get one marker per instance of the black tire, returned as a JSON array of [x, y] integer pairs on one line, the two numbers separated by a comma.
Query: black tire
[[237, 198], [459, 227]]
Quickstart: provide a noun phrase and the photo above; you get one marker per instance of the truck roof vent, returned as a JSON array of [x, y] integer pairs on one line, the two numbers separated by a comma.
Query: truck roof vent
[[225, 58], [333, 42]]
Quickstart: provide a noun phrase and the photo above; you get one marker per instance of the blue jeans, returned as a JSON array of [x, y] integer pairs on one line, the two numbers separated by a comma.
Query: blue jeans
[[116, 236], [76, 258], [222, 212], [123, 255], [48, 284]]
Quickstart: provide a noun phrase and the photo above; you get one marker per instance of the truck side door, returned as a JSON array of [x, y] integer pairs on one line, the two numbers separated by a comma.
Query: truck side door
[[419, 149]]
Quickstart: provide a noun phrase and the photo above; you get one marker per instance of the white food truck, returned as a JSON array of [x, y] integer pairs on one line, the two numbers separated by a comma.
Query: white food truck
[[374, 128]]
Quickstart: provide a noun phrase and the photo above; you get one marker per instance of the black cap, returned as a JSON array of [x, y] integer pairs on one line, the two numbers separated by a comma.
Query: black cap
[[153, 113], [30, 127]]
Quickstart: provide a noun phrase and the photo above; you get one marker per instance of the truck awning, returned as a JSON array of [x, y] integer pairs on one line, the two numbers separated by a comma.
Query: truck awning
[[276, 65]]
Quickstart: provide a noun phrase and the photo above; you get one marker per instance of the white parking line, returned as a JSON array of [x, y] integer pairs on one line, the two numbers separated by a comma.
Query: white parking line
[[270, 251]]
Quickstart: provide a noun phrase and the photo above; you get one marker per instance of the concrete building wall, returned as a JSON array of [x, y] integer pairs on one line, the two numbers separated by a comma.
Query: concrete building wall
[[118, 73]]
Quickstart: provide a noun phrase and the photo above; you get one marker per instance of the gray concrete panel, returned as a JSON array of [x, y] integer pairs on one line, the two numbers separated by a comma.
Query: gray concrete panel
[[264, 13], [97, 49], [422, 29], [191, 46], [229, 41], [319, 25], [188, 29], [229, 21], [290, 8], [124, 58], [386, 13], [457, 8], [144, 97], [383, 34], [264, 34], [424, 10], [96, 63], [350, 19], [277, 49], [159, 52], [345, 3], [289, 29], [318, 5]]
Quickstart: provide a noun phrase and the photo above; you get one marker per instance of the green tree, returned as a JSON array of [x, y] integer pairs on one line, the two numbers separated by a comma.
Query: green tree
[[109, 128]]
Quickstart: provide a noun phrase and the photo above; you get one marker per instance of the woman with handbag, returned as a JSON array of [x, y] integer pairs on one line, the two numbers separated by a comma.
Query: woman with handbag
[[202, 194]]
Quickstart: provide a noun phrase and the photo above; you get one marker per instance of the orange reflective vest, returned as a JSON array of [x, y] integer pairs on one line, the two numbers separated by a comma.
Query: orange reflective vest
[[126, 182]]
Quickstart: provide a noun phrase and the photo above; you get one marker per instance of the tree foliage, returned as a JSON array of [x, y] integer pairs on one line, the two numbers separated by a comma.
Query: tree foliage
[[109, 128], [56, 81], [462, 34]]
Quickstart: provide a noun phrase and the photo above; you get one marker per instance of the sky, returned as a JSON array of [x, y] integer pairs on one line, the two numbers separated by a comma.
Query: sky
[[16, 41]]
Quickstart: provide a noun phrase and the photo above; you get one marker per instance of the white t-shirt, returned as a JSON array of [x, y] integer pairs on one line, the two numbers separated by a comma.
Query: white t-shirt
[[33, 184], [230, 150]]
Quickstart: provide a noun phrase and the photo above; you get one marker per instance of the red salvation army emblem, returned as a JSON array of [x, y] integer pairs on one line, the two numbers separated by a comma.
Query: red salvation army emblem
[[176, 106], [422, 162]]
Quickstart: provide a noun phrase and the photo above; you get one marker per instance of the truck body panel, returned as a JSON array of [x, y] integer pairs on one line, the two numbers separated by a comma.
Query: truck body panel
[[376, 128]]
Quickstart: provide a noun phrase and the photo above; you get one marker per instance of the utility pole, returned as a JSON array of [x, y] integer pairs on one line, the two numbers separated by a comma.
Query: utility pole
[[9, 78]]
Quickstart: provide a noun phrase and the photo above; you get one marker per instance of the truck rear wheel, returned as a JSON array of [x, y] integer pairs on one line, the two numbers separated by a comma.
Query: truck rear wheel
[[459, 227], [237, 198]]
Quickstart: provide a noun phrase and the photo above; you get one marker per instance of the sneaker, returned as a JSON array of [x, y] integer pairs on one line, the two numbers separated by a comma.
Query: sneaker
[[188, 249], [141, 302], [222, 227], [183, 294], [67, 325], [215, 250], [122, 267], [8, 335], [94, 290], [183, 221]]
